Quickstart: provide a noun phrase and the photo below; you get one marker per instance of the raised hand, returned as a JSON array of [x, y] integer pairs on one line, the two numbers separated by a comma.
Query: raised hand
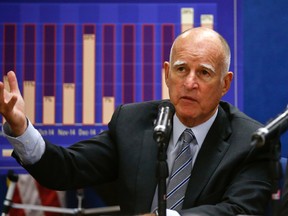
[[12, 106]]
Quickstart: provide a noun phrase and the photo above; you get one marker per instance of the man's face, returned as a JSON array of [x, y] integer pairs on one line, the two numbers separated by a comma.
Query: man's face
[[195, 80]]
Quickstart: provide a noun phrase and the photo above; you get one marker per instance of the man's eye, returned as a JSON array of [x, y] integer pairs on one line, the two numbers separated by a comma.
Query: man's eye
[[181, 69], [205, 75]]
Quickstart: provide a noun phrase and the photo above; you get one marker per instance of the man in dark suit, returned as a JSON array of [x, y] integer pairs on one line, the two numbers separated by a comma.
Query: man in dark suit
[[228, 175]]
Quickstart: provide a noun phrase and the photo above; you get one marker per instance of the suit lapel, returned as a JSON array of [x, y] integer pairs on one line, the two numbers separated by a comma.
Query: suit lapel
[[210, 155]]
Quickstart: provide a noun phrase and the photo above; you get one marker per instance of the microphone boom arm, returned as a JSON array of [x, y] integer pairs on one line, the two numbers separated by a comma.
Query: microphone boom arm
[[275, 128]]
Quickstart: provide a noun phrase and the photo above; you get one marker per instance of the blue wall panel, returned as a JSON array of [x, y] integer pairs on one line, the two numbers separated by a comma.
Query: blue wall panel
[[265, 59]]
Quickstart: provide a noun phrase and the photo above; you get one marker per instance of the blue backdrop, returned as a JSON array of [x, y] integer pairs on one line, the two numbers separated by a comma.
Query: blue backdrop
[[265, 60]]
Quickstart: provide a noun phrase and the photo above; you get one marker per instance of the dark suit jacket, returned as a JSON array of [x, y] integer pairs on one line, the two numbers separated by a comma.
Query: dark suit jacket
[[229, 177]]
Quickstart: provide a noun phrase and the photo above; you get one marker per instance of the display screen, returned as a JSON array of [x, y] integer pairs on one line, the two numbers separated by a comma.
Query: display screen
[[77, 62]]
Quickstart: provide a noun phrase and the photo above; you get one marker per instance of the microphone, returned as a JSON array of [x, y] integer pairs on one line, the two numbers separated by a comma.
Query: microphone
[[163, 123], [275, 128]]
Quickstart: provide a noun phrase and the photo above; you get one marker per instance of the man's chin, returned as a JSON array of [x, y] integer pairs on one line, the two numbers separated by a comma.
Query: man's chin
[[187, 117]]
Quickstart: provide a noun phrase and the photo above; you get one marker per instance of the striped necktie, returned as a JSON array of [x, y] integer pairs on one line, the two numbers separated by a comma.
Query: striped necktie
[[181, 171]]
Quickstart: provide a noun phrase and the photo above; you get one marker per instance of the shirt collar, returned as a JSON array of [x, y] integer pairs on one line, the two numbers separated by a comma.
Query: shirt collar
[[200, 131]]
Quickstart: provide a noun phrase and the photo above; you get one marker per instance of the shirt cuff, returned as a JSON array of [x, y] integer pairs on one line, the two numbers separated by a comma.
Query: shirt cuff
[[170, 212], [30, 146]]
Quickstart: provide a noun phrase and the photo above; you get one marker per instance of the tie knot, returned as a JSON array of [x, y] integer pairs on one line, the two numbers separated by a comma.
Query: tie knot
[[188, 135]]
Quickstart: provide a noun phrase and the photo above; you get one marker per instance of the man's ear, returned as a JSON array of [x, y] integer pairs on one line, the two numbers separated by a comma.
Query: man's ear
[[227, 82], [166, 71]]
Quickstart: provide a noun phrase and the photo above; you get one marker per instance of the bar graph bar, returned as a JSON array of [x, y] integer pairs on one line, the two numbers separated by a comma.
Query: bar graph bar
[[187, 18], [128, 70], [49, 70], [69, 64], [108, 104], [89, 72], [168, 34], [9, 51], [29, 70], [108, 72], [9, 57], [148, 48], [7, 152], [207, 20]]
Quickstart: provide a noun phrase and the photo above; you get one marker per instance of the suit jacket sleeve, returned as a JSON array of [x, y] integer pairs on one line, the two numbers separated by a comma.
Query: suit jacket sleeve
[[85, 163]]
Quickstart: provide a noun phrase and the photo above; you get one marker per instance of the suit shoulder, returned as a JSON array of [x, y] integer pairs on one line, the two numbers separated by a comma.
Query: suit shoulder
[[235, 115]]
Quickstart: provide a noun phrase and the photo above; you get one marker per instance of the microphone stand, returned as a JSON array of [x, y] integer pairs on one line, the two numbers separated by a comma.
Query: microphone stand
[[162, 175], [161, 134], [9, 196]]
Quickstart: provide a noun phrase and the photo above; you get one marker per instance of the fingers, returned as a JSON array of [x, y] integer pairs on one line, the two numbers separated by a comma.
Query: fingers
[[4, 94], [13, 83], [11, 103], [8, 100], [1, 93]]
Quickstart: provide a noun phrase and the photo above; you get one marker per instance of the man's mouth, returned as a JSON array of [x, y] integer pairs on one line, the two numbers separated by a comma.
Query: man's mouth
[[188, 98]]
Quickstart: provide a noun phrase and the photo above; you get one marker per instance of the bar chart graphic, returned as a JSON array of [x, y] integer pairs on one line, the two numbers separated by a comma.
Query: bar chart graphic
[[77, 62]]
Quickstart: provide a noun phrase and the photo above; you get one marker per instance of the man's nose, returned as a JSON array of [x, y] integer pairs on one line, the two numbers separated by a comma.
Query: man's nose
[[191, 80]]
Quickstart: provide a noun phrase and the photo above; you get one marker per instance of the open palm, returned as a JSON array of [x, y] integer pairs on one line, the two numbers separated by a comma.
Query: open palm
[[12, 106]]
